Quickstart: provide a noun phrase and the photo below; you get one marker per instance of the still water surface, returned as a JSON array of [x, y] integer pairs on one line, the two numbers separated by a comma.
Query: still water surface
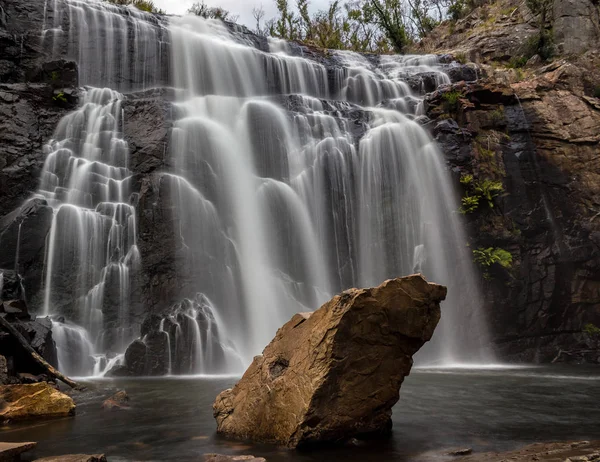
[[496, 409]]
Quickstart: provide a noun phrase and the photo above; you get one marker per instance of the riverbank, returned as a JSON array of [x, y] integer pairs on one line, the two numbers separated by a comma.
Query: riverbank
[[492, 410]]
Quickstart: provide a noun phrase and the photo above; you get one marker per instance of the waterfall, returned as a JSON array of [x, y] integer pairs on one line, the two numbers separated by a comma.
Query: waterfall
[[91, 248], [292, 205], [289, 178]]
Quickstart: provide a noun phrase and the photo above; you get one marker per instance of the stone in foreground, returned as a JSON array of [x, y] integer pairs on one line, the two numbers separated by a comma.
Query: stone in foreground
[[13, 451], [334, 374], [222, 458], [38, 400], [74, 458]]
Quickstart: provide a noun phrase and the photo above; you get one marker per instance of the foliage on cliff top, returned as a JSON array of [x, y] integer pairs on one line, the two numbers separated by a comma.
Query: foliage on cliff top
[[143, 5], [378, 26]]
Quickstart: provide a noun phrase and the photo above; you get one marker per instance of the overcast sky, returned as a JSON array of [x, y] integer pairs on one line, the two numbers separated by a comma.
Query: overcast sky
[[243, 8]]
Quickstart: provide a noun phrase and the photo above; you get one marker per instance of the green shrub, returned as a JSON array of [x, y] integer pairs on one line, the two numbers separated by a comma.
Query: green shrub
[[542, 43], [458, 10], [469, 204], [460, 58], [60, 98], [497, 115], [54, 76], [488, 189], [517, 62], [451, 100], [466, 180], [478, 190], [591, 330], [492, 256]]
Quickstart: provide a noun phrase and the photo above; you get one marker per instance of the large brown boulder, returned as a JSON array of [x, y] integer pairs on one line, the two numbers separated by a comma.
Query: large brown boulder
[[334, 374], [38, 400]]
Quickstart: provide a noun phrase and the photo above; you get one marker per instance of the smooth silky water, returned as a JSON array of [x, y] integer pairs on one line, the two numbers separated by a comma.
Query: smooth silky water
[[501, 409]]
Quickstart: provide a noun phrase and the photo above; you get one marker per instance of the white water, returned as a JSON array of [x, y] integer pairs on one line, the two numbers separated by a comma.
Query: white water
[[292, 203], [290, 181]]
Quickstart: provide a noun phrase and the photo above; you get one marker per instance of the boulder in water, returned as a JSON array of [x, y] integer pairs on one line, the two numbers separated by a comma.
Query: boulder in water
[[119, 400], [334, 374], [39, 400]]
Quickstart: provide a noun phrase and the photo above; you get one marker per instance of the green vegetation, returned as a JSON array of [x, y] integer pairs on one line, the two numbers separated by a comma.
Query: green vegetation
[[211, 12], [451, 100], [543, 42], [597, 91], [497, 115], [477, 191], [54, 76], [378, 26], [591, 330], [458, 9], [469, 204], [488, 189], [143, 5], [466, 180], [461, 58], [60, 97], [486, 258], [517, 62]]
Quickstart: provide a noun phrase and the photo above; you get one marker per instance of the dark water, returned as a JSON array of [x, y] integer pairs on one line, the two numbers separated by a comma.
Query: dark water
[[171, 419]]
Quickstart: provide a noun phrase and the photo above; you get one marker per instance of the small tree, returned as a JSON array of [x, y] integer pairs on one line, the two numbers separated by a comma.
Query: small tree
[[212, 12], [543, 42]]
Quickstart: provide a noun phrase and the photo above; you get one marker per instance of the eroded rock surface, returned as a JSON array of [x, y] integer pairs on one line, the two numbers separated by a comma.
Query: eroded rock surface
[[39, 400], [334, 374]]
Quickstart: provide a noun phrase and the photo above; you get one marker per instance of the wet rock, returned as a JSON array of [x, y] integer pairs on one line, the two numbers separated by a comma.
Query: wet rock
[[544, 452], [13, 451], [3, 371], [119, 371], [119, 400], [223, 458], [75, 458], [11, 284], [40, 400], [24, 228], [135, 358], [334, 374], [460, 452], [15, 309], [39, 334], [25, 378]]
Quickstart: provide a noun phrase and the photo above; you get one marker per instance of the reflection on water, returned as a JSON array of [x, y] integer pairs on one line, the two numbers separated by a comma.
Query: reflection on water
[[490, 409]]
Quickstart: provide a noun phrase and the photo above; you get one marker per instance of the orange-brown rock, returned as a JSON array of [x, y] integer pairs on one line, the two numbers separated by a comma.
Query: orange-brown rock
[[334, 374], [119, 400], [34, 401]]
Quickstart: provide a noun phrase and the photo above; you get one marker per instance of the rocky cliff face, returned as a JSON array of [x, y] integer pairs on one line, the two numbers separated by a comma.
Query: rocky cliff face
[[534, 130]]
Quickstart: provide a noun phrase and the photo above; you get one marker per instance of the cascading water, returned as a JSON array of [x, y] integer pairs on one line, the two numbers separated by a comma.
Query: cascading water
[[91, 248], [289, 179], [292, 207]]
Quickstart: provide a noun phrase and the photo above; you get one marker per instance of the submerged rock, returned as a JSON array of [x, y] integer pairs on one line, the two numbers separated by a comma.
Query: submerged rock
[[334, 374], [39, 400], [75, 458], [13, 451], [119, 400], [222, 458]]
